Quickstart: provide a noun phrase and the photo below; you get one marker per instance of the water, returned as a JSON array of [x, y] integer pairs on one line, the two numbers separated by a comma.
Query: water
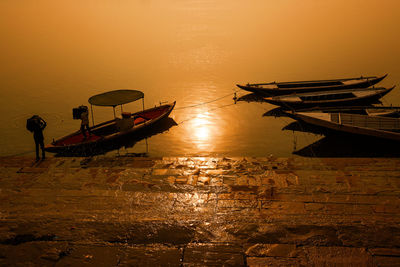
[[55, 55]]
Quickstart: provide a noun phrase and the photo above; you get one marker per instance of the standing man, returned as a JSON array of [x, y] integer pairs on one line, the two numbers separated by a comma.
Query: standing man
[[36, 125], [85, 122]]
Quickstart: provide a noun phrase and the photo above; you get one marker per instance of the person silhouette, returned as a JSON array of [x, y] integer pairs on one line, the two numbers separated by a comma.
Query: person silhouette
[[85, 122], [36, 125]]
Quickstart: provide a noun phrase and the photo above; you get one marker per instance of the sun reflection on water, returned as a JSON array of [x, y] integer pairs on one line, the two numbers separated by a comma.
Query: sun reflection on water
[[202, 132]]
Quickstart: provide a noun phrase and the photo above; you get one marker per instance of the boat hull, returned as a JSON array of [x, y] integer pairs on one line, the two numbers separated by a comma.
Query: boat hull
[[350, 101], [306, 88], [350, 129]]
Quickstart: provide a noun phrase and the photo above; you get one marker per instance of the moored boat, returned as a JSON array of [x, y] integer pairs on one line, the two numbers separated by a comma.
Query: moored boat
[[386, 111], [284, 88], [365, 125], [363, 96], [107, 132]]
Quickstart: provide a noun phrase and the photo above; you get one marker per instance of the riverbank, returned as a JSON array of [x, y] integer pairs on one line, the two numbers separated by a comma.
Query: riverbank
[[174, 211]]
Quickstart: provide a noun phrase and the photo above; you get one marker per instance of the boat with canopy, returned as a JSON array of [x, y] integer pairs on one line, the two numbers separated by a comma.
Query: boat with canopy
[[128, 124]]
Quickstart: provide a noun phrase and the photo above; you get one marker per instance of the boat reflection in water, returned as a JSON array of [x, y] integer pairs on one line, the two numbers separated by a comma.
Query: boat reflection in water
[[297, 126], [126, 141], [276, 112], [335, 144]]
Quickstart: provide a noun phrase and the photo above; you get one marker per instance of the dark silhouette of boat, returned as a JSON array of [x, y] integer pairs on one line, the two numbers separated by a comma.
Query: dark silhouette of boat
[[380, 127], [112, 131], [342, 144], [347, 146], [363, 96], [251, 97], [285, 88], [386, 111], [297, 126]]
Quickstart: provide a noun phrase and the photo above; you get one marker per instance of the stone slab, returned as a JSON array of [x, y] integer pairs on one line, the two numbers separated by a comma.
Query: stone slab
[[187, 211]]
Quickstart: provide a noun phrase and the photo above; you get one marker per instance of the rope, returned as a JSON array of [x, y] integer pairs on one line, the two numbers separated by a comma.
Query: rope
[[222, 106], [204, 103], [208, 102]]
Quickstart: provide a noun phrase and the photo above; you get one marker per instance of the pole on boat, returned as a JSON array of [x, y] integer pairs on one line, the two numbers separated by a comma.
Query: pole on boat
[[91, 111], [114, 112], [143, 102]]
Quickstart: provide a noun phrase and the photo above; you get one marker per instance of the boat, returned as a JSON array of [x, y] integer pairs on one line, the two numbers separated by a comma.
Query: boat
[[393, 112], [105, 133], [364, 125], [363, 96], [350, 146], [387, 111], [285, 88]]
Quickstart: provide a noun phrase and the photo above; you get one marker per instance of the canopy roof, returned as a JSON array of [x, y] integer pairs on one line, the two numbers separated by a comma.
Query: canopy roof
[[115, 98]]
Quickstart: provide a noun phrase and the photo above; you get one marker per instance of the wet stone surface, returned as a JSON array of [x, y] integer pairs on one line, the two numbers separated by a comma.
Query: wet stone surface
[[127, 211]]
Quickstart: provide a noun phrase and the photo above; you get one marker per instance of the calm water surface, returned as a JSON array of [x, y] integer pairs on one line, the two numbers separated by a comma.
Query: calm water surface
[[56, 54]]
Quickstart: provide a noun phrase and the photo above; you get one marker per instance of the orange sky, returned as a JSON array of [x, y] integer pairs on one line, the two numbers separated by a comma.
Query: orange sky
[[237, 40]]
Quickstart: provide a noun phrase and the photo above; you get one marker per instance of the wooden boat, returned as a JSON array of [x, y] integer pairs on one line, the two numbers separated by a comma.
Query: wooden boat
[[365, 125], [285, 88], [393, 112], [307, 127], [386, 111], [350, 146], [363, 96], [115, 129]]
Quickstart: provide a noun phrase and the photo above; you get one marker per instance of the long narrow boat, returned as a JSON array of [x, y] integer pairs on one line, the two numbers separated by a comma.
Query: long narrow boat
[[385, 111], [115, 129], [350, 146], [285, 88], [363, 96], [372, 126]]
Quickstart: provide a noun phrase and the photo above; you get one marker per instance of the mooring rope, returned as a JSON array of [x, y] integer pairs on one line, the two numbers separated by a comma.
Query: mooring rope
[[208, 102], [222, 106]]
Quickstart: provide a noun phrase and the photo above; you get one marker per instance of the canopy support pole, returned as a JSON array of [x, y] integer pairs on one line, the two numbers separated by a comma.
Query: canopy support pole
[[114, 112], [143, 102], [91, 111]]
